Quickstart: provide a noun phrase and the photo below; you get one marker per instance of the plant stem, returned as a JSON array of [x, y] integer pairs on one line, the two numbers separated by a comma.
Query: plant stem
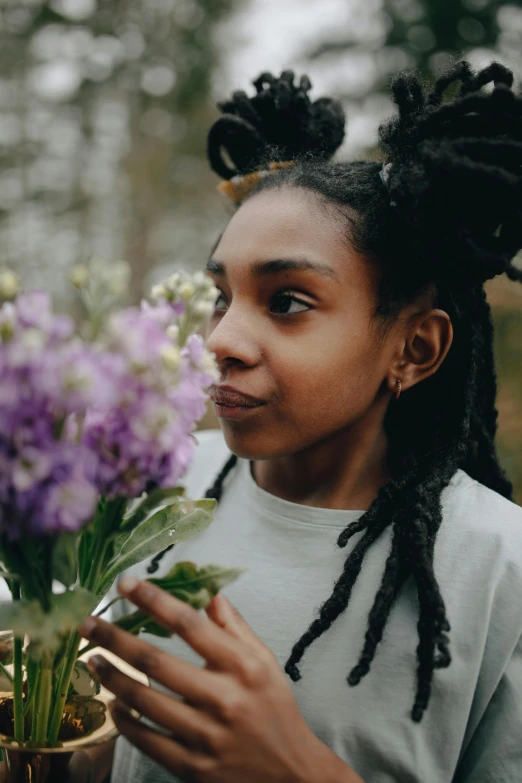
[[98, 565], [63, 686], [106, 524], [30, 699], [86, 649], [18, 698], [111, 603], [43, 706]]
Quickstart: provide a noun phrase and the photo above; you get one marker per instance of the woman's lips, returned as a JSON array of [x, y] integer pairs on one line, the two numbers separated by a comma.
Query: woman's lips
[[233, 404]]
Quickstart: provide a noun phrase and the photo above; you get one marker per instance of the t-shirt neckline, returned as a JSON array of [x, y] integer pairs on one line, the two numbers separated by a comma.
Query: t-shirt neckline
[[294, 512]]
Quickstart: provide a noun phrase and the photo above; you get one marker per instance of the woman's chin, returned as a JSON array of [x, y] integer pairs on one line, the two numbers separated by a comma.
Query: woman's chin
[[247, 444]]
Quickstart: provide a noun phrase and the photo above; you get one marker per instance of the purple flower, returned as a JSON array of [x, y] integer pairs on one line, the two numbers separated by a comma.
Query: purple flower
[[79, 421], [31, 467], [35, 312], [66, 505]]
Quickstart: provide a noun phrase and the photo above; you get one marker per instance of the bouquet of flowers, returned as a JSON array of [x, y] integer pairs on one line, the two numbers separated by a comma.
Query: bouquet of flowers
[[95, 435]]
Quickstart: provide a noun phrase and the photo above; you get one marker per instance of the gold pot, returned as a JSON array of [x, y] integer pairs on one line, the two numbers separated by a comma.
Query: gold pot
[[87, 722]]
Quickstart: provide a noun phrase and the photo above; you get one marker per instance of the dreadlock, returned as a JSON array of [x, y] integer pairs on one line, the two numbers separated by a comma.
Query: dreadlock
[[445, 215]]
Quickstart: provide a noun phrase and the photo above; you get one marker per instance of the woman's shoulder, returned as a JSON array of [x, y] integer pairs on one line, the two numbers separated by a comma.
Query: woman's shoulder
[[210, 455], [481, 518]]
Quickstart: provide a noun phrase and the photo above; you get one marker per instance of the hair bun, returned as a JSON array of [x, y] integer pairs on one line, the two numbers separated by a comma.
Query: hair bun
[[456, 171], [279, 123]]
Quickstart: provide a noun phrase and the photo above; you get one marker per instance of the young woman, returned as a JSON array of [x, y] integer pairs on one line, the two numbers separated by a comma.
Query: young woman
[[379, 634]]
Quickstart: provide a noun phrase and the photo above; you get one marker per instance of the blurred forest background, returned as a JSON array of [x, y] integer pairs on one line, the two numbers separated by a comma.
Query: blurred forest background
[[105, 106]]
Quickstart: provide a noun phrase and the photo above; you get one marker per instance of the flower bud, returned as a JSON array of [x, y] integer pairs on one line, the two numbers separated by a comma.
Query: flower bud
[[79, 276], [186, 290], [6, 331], [7, 321], [9, 284], [211, 293], [203, 309], [173, 332], [200, 279], [118, 276], [171, 357], [159, 291]]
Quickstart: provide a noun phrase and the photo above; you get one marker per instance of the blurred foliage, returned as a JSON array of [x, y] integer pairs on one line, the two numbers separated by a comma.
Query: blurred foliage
[[506, 300], [104, 108], [426, 35]]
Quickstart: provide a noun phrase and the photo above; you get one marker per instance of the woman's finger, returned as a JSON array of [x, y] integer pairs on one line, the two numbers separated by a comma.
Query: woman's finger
[[224, 614], [165, 750], [192, 727], [199, 686], [219, 649]]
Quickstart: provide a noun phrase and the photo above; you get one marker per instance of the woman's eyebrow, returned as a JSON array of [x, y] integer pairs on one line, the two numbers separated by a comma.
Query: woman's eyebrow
[[262, 268]]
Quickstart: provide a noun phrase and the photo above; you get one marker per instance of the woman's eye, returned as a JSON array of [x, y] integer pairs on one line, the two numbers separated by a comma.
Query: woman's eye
[[286, 303], [217, 306], [283, 303]]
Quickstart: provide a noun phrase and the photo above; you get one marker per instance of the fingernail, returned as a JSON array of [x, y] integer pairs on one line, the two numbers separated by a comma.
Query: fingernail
[[87, 627], [127, 584], [95, 663]]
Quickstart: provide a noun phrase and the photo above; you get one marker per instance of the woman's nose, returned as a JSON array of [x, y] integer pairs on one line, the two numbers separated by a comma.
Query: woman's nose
[[232, 339]]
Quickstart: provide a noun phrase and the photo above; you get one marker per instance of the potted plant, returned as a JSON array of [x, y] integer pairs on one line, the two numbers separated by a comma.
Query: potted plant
[[95, 435]]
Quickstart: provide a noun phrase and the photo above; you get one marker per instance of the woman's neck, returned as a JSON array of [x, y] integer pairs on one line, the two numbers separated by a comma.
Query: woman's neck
[[344, 471]]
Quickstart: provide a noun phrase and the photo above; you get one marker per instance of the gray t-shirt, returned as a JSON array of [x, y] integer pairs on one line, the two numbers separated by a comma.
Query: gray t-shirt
[[472, 730]]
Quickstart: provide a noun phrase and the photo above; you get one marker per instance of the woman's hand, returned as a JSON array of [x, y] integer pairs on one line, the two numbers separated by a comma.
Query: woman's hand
[[238, 720]]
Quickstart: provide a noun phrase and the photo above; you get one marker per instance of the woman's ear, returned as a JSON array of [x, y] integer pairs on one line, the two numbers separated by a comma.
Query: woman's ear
[[426, 341]]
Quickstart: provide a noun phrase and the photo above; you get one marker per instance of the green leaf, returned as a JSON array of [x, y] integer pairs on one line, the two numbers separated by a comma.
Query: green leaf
[[187, 578], [46, 630], [139, 622], [141, 509], [185, 581], [65, 559], [178, 522]]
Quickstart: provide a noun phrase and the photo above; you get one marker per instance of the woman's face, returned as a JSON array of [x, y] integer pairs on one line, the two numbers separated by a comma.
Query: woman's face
[[295, 326]]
